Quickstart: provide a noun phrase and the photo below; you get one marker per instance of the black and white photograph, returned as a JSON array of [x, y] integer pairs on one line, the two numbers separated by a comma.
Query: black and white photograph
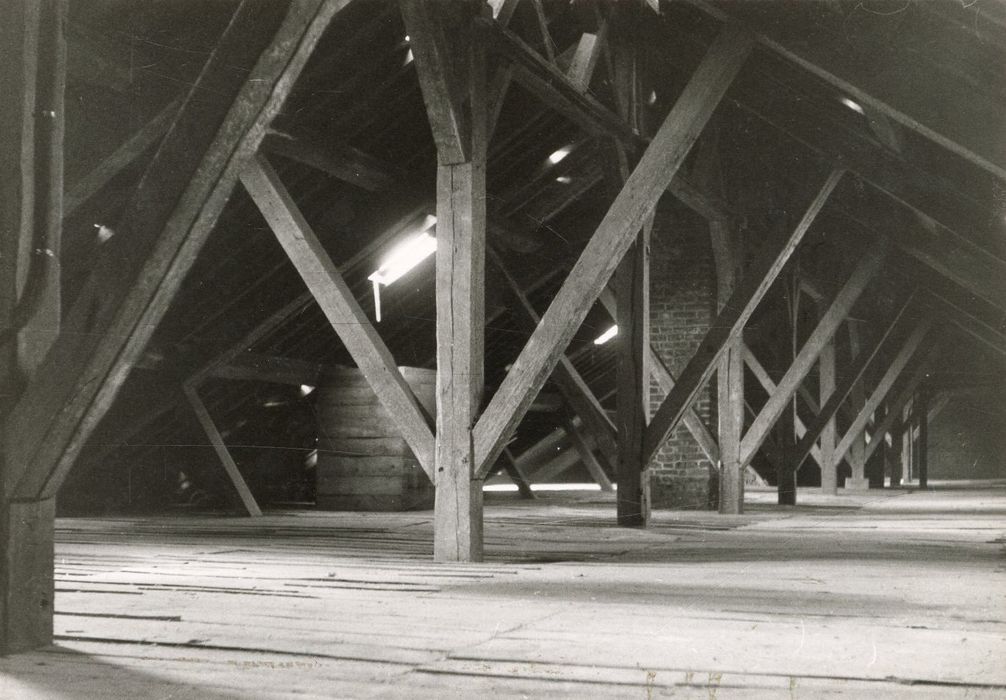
[[434, 349]]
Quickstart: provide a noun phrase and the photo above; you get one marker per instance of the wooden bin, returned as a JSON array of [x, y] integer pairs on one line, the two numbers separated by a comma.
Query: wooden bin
[[363, 461]]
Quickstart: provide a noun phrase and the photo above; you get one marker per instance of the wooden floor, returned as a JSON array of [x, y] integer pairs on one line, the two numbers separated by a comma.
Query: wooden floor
[[883, 594]]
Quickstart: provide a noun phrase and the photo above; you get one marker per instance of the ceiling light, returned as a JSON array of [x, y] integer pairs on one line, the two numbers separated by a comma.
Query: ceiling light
[[564, 179], [558, 155], [402, 259], [306, 389], [851, 104], [606, 336], [408, 57]]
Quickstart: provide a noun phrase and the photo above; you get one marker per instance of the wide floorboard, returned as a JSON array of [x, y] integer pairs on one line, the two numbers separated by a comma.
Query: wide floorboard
[[890, 593]]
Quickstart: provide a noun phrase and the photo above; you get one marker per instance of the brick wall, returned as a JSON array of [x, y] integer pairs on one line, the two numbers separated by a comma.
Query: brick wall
[[682, 307]]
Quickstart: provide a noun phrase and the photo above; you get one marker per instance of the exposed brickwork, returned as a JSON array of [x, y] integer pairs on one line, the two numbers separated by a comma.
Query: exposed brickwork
[[682, 307]]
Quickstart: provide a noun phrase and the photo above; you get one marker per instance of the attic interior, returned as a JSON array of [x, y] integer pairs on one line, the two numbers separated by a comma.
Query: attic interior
[[524, 347]]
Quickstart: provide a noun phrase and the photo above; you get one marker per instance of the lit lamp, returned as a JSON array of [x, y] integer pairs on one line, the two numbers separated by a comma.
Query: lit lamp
[[402, 259]]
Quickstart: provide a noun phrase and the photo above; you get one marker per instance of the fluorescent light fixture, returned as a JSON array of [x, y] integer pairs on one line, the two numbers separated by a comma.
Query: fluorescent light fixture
[[306, 389], [851, 104], [606, 336], [402, 259], [564, 179], [557, 156]]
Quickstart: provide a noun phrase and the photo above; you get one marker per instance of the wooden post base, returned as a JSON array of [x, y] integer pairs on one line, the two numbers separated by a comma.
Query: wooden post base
[[457, 521], [633, 503], [732, 489], [787, 487], [26, 584]]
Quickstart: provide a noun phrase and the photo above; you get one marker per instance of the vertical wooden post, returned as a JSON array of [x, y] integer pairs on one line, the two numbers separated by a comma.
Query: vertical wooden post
[[826, 377], [729, 376], [894, 453], [906, 445], [632, 292], [922, 407], [857, 399], [730, 407], [460, 337], [451, 71], [633, 381], [32, 79]]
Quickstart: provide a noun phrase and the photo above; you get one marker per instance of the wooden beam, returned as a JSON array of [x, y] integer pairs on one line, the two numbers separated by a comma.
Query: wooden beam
[[121, 158], [340, 307], [663, 376], [988, 336], [571, 385], [32, 119], [950, 136], [769, 385], [461, 223], [544, 80], [826, 386], [542, 23], [223, 454], [339, 160], [729, 324], [434, 58], [586, 455], [584, 61], [904, 395], [401, 226], [632, 293], [609, 243], [517, 475], [558, 464], [864, 272], [891, 375], [172, 212], [633, 380], [922, 406], [908, 185], [850, 377], [460, 274]]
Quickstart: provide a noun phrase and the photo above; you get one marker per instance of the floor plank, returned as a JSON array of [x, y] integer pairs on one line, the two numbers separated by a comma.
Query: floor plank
[[897, 593]]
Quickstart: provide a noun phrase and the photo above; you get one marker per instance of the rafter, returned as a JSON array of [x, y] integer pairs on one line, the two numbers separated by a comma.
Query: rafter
[[948, 135], [848, 379], [341, 308], [223, 454], [894, 370], [729, 324], [567, 379], [869, 265], [121, 158], [613, 237], [171, 214]]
